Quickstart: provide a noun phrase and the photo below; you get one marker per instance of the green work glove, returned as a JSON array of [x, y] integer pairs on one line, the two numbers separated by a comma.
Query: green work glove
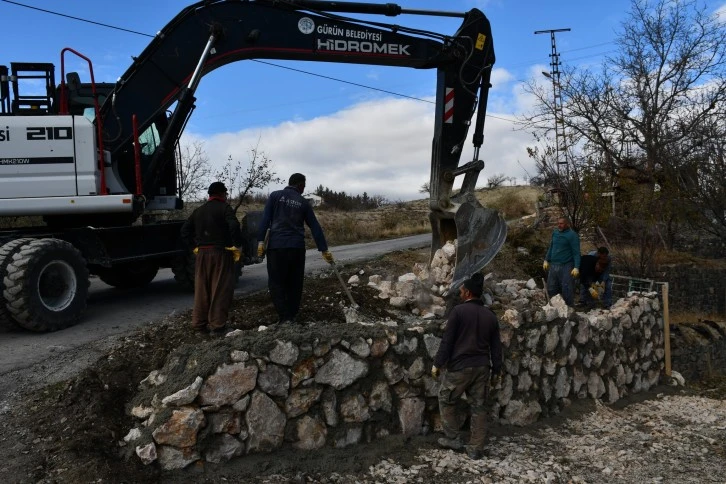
[[434, 372], [260, 249], [546, 265], [575, 272], [328, 256]]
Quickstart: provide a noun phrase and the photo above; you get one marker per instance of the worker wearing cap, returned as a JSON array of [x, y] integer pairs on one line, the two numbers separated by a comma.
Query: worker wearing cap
[[595, 282], [562, 261], [285, 214], [212, 229], [471, 352]]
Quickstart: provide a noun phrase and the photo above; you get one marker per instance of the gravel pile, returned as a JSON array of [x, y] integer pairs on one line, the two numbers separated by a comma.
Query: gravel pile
[[672, 438]]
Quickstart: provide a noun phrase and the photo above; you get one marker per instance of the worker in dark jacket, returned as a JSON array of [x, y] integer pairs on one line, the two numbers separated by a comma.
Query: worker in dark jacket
[[471, 352], [285, 213], [563, 262], [595, 282], [214, 231]]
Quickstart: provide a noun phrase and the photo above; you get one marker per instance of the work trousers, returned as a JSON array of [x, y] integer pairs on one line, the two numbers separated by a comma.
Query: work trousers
[[475, 382], [559, 281], [285, 275], [213, 288]]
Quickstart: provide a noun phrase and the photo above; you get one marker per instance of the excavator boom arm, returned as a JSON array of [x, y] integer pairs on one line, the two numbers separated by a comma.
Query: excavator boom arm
[[213, 33]]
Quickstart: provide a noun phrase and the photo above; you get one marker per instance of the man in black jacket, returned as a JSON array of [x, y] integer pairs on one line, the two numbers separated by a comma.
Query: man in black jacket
[[212, 229], [471, 352]]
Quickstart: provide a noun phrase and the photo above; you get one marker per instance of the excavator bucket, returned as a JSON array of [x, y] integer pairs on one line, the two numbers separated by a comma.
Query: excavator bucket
[[480, 234]]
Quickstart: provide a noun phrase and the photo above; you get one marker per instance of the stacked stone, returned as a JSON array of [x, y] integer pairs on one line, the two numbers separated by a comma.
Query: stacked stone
[[557, 354], [335, 393], [423, 290], [338, 392]]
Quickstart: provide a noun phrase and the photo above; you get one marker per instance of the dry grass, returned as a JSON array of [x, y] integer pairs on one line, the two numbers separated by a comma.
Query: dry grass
[[678, 317]]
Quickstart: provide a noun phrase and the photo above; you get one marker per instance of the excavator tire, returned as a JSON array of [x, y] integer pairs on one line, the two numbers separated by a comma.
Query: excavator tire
[[47, 285], [6, 251], [128, 276]]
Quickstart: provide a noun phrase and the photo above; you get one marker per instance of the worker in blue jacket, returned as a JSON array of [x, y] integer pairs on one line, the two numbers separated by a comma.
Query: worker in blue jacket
[[285, 213], [562, 261]]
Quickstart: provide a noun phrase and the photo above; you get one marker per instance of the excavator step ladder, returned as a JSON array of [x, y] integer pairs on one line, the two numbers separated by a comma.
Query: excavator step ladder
[[20, 73]]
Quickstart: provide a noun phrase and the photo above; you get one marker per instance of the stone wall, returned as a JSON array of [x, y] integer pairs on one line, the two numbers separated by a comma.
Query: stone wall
[[342, 390], [698, 350]]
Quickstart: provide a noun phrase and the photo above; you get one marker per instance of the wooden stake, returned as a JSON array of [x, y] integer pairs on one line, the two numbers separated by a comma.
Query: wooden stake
[[666, 330]]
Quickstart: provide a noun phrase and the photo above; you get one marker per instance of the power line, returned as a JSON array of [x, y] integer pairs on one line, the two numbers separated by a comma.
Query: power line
[[255, 60], [77, 18]]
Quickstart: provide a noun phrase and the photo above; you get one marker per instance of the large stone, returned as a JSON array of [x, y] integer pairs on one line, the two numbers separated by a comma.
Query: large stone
[[360, 348], [284, 353], [224, 422], [303, 371], [380, 397], [392, 371], [311, 433], [379, 346], [551, 339], [432, 344], [184, 396], [171, 458], [274, 381], [223, 448], [410, 415], [147, 453], [301, 400], [180, 430], [595, 385], [562, 384], [265, 424], [521, 414], [512, 318], [330, 407], [341, 370], [351, 436], [228, 384], [417, 369], [354, 409], [407, 346]]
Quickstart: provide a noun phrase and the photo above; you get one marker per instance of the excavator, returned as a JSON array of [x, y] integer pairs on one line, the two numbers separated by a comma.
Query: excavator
[[96, 160]]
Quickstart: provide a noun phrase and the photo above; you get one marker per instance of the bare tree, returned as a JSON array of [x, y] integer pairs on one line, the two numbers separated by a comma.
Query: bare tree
[[194, 170], [241, 178], [497, 180], [425, 188], [668, 76], [646, 108]]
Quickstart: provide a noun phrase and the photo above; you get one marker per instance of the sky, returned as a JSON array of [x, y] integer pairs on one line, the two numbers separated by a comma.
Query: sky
[[352, 138]]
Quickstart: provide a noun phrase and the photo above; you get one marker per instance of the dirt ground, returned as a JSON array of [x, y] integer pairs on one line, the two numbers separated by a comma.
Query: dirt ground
[[70, 432]]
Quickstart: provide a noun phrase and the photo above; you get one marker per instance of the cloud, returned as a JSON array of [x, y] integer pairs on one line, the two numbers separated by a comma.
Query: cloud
[[380, 147], [721, 13]]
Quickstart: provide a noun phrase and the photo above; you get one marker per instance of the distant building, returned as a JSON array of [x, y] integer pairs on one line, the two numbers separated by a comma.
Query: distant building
[[314, 200]]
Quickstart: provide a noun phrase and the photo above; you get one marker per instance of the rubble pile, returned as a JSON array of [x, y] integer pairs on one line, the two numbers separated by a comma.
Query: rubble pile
[[359, 386]]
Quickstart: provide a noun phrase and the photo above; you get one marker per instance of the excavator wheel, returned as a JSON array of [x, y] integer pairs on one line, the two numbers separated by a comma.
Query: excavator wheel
[[128, 276], [6, 251], [47, 285]]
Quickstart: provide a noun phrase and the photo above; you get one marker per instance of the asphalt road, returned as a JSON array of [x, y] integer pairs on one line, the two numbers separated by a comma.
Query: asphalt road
[[31, 359]]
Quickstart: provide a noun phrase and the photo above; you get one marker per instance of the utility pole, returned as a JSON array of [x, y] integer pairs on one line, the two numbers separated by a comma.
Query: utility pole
[[554, 75]]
